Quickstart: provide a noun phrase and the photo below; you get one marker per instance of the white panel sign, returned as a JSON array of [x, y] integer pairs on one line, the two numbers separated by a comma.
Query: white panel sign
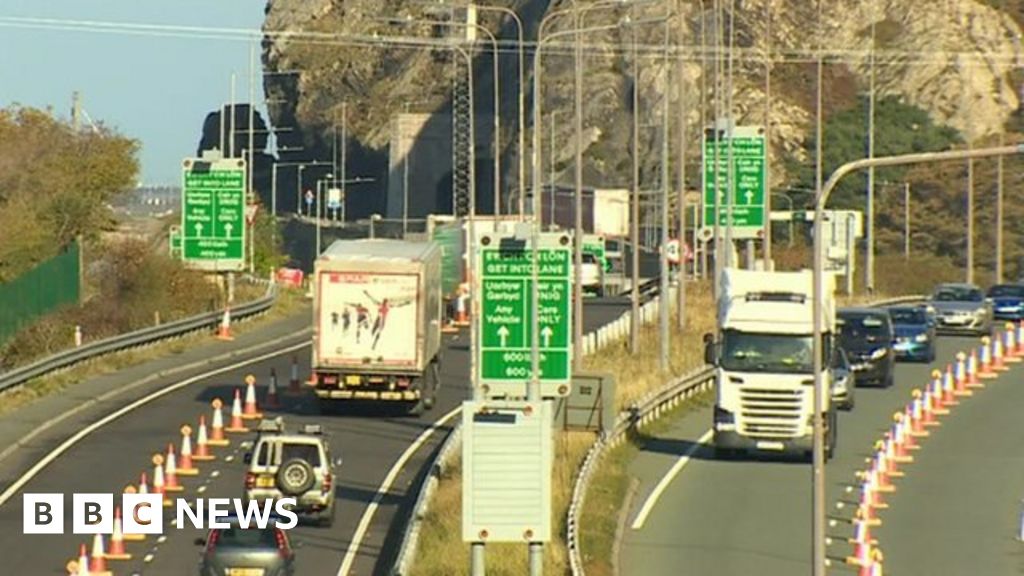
[[507, 458]]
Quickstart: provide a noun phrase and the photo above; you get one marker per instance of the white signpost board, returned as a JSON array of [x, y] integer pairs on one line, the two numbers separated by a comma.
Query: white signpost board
[[507, 455]]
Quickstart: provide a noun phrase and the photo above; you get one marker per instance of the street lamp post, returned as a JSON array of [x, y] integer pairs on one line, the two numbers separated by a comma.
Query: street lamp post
[[319, 216], [819, 519]]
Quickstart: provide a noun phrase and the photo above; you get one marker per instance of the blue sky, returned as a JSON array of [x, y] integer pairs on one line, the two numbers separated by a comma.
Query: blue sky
[[155, 89]]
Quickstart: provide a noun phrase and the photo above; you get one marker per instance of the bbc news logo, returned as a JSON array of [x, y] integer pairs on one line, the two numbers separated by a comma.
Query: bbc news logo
[[144, 513]]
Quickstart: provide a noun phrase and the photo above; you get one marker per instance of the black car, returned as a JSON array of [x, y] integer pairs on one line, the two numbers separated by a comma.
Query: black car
[[868, 337]]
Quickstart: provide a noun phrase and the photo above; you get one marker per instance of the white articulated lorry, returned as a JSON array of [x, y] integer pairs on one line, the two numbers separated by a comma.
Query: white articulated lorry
[[764, 389], [377, 322]]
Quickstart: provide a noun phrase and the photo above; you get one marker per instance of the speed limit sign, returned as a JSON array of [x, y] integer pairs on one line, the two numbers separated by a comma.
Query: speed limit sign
[[673, 253]]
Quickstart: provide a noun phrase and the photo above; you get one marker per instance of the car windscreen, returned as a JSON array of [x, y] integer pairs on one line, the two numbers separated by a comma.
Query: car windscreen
[[1004, 290], [308, 452], [750, 352], [858, 327], [908, 316], [958, 294], [252, 537]]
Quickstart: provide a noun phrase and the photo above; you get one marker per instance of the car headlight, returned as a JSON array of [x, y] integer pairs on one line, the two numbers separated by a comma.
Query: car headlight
[[921, 337], [980, 311], [878, 354]]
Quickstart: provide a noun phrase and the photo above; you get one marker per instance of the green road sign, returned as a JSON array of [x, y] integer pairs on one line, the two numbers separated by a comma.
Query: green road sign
[[506, 317], [213, 214], [748, 181]]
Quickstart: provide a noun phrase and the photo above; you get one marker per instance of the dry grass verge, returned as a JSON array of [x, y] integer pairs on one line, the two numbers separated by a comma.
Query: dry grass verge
[[441, 551], [287, 303]]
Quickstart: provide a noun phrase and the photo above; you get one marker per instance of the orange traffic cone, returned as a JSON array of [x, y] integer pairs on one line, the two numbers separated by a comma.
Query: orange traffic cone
[[82, 566], [143, 484], [869, 509], [224, 330], [985, 371], [997, 355], [217, 437], [1020, 338], [98, 561], [900, 452], [250, 412], [171, 472], [917, 417], [928, 415], [202, 449], [862, 542], [1010, 355], [130, 537], [935, 390], [185, 466], [117, 550], [962, 375], [948, 391], [237, 424], [158, 478], [272, 401]]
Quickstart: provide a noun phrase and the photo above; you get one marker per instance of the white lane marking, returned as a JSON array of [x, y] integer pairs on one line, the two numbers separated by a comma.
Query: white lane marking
[[683, 460], [201, 489], [229, 458], [215, 474], [67, 444], [148, 558], [364, 522], [161, 539]]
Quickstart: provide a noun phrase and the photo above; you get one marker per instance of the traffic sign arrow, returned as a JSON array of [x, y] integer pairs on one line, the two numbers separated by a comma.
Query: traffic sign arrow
[[503, 335], [227, 229], [546, 333], [199, 229], [749, 195]]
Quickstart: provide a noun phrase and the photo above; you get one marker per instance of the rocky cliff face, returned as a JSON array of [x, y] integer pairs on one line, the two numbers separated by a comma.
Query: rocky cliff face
[[953, 58]]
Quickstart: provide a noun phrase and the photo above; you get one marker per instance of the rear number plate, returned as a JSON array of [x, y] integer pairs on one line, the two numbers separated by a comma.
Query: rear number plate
[[352, 380], [770, 446], [264, 482], [245, 571]]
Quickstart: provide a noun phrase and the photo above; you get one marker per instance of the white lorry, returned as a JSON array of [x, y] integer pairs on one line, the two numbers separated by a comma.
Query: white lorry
[[764, 389], [377, 323]]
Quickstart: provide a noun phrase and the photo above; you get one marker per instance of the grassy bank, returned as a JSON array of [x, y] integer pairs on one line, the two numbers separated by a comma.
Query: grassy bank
[[287, 303]]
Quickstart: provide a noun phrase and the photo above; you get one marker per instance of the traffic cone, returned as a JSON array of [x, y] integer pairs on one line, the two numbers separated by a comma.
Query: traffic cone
[[917, 417], [928, 409], [224, 330], [973, 371], [876, 562], [885, 465], [948, 397], [98, 561], [159, 485], [936, 393], [293, 383], [117, 550], [171, 472], [250, 412], [962, 377], [237, 424], [272, 401], [903, 419], [217, 437], [997, 355], [1010, 355], [986, 372], [143, 485], [185, 466], [1020, 338], [869, 512], [900, 452], [82, 566], [129, 537], [861, 546], [202, 444]]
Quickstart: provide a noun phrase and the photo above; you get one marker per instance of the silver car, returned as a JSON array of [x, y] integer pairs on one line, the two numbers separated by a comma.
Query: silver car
[[296, 466], [961, 309], [842, 381]]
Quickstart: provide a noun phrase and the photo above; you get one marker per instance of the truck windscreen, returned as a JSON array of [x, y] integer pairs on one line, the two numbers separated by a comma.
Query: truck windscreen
[[750, 352]]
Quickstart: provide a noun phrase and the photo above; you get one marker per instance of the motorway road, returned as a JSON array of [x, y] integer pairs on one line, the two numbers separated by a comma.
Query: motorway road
[[113, 456], [754, 517], [958, 510]]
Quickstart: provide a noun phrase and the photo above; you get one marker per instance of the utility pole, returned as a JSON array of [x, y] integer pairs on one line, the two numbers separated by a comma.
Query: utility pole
[[252, 121], [76, 110], [767, 253], [818, 521], [231, 135], [664, 295], [634, 209], [344, 159], [551, 175], [869, 261], [407, 149], [906, 219], [681, 185], [577, 290]]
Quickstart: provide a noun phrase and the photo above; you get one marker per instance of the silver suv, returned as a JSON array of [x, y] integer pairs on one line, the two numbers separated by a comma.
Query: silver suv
[[299, 466]]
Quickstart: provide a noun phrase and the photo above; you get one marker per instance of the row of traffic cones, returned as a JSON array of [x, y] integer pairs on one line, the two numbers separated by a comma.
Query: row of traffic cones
[[959, 380], [169, 467]]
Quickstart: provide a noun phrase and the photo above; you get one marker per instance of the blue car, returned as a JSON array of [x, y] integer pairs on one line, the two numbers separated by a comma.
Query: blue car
[[915, 333], [1007, 301]]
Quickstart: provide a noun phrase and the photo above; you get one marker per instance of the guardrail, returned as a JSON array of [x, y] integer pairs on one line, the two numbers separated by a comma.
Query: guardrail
[[637, 415], [136, 339]]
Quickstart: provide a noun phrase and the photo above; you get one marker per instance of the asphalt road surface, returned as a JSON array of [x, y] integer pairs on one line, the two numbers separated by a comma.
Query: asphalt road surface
[[114, 455], [754, 517]]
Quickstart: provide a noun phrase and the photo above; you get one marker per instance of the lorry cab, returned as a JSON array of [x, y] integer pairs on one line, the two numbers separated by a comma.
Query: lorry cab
[[765, 366]]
